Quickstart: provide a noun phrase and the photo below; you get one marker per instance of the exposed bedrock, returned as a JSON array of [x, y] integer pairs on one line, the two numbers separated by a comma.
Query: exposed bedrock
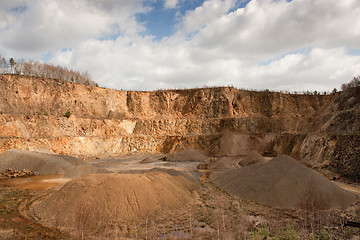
[[322, 130]]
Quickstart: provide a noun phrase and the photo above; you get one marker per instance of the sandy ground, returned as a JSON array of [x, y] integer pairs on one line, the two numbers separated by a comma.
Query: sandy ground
[[351, 188], [205, 218], [41, 182], [125, 164], [121, 164]]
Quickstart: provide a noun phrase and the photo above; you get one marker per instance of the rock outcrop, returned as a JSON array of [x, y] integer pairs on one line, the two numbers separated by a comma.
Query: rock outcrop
[[9, 173]]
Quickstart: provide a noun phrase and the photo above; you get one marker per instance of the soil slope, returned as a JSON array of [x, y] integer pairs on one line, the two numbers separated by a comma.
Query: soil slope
[[282, 182], [222, 164], [252, 158], [40, 163], [148, 160], [83, 170], [232, 144]]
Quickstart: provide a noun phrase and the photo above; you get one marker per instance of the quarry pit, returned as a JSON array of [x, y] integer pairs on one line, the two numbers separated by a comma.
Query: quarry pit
[[207, 163]]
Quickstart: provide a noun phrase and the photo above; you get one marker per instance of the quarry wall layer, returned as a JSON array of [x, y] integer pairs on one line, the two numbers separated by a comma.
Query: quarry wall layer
[[80, 120]]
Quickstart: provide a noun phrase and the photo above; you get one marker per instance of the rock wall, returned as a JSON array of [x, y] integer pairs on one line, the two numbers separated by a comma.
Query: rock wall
[[107, 122], [29, 95]]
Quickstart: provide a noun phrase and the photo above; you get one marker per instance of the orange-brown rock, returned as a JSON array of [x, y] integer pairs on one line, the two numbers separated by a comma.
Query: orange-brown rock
[[106, 122]]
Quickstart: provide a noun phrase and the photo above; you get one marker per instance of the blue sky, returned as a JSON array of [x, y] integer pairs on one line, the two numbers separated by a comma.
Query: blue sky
[[162, 22], [155, 44]]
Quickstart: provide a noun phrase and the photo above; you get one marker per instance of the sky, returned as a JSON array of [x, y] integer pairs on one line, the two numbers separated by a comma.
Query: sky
[[166, 44]]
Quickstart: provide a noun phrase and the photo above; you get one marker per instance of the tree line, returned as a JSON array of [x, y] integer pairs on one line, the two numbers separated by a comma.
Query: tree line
[[39, 69], [355, 82]]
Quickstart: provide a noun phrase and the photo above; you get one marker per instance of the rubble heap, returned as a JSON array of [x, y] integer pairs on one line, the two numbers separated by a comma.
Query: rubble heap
[[10, 173]]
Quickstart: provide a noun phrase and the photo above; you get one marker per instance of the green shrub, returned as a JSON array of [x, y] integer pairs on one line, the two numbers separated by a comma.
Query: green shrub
[[261, 232], [288, 234], [67, 114], [322, 235]]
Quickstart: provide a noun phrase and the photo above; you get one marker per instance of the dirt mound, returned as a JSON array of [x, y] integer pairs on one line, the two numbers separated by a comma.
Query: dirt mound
[[252, 158], [222, 164], [40, 163], [232, 144], [83, 170], [282, 182], [114, 197], [171, 172], [188, 155], [148, 160]]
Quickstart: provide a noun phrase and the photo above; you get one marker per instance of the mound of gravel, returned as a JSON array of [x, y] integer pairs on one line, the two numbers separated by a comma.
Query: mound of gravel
[[234, 144], [148, 160], [83, 170], [171, 172], [252, 158], [222, 164], [282, 182], [114, 197], [188, 155], [40, 163]]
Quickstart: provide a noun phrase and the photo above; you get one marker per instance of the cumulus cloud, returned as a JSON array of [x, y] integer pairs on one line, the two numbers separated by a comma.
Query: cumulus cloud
[[40, 26], [296, 45], [266, 28], [319, 69], [205, 14], [170, 3]]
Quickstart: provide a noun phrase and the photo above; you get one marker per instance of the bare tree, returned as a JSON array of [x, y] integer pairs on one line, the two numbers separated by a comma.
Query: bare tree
[[38, 69], [82, 219], [12, 64], [355, 82], [313, 203], [2, 64]]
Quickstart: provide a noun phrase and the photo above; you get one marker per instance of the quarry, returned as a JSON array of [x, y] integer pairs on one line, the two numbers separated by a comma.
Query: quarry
[[206, 163]]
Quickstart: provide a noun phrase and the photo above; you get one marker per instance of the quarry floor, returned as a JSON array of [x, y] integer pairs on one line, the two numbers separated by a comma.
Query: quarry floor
[[220, 216]]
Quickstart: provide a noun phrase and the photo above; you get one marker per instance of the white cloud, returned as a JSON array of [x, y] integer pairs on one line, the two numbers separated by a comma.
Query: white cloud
[[46, 25], [170, 3], [266, 28], [320, 69], [297, 45], [205, 14]]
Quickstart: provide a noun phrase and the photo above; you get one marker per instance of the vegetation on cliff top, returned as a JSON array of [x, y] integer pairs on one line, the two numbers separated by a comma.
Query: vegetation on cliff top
[[355, 82], [39, 69]]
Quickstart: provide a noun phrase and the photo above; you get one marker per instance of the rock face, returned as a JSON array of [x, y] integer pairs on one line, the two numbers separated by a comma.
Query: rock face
[[108, 122]]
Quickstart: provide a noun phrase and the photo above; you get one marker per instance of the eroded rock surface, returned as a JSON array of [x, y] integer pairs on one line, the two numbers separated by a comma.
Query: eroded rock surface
[[320, 129]]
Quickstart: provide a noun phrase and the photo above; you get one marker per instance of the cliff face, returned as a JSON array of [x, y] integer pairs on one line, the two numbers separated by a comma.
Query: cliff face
[[109, 122]]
